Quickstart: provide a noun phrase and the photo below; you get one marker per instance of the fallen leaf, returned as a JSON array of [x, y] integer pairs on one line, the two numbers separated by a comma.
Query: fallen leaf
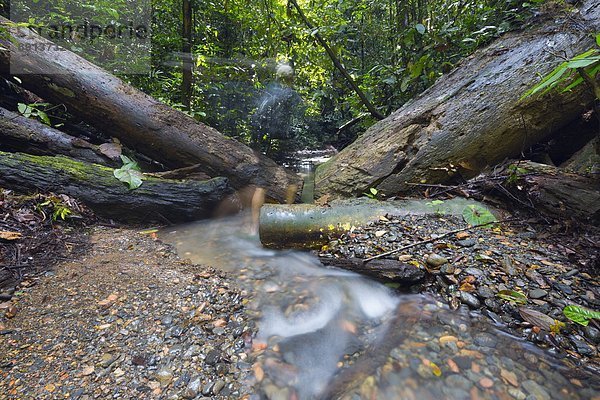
[[111, 150], [50, 387], [462, 235], [537, 318], [7, 235]]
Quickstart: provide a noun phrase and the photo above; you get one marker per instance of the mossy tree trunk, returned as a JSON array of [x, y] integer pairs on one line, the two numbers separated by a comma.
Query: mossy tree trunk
[[156, 200], [472, 117]]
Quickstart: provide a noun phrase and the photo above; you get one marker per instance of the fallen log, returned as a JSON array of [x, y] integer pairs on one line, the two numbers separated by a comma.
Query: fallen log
[[310, 226], [555, 192], [18, 133], [139, 121], [155, 200], [382, 270], [472, 117]]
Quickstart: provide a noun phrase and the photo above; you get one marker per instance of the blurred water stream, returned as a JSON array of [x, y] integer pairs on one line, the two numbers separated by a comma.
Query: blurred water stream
[[326, 333]]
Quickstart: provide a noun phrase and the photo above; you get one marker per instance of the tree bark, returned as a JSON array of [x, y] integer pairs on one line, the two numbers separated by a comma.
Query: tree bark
[[156, 200], [555, 192], [381, 270], [139, 121], [18, 133], [470, 118], [310, 226]]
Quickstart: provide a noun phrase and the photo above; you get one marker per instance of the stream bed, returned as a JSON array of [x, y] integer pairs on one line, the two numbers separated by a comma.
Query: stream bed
[[324, 333]]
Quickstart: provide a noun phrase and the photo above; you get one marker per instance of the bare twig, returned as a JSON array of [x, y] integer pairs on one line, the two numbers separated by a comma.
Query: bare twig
[[468, 228]]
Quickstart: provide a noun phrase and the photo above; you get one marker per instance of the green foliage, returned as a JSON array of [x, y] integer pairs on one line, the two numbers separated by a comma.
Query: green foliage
[[393, 50], [129, 173], [568, 73], [514, 173], [36, 111], [580, 315], [436, 205], [477, 215], [372, 193], [59, 209], [512, 296]]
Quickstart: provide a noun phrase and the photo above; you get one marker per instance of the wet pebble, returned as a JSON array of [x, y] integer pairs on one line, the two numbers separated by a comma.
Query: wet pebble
[[470, 300], [537, 293], [436, 260]]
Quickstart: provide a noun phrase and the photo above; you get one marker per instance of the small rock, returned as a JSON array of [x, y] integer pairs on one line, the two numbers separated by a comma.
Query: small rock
[[583, 348], [164, 376], [167, 320], [517, 394], [208, 388], [537, 293], [486, 383], [448, 269], [534, 389], [486, 340], [485, 292], [435, 260], [219, 385], [212, 357], [467, 242], [566, 289], [476, 272], [592, 333], [469, 299], [193, 388]]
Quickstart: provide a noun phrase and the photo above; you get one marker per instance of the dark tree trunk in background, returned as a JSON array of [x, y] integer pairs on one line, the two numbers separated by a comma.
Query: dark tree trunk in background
[[471, 117], [141, 122], [187, 60], [18, 133], [94, 185], [337, 63]]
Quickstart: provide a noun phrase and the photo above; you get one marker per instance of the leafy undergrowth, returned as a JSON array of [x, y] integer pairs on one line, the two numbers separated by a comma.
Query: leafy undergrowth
[[36, 232]]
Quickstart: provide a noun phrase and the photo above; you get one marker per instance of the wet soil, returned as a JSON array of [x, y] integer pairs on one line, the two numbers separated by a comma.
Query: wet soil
[[105, 312]]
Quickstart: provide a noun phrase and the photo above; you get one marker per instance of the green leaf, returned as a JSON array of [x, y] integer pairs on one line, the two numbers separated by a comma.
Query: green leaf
[[131, 177], [580, 315], [373, 191], [420, 28], [512, 296], [44, 117], [582, 63], [477, 215], [598, 39], [22, 108]]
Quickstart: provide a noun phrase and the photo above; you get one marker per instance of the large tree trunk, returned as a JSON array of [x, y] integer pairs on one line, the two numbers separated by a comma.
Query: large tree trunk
[[18, 133], [156, 200], [472, 117], [138, 120]]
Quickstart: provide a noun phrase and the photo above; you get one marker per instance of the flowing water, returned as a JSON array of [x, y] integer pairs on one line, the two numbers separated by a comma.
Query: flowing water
[[325, 333]]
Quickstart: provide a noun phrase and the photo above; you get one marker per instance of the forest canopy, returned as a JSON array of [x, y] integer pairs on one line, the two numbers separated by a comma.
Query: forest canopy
[[258, 71]]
